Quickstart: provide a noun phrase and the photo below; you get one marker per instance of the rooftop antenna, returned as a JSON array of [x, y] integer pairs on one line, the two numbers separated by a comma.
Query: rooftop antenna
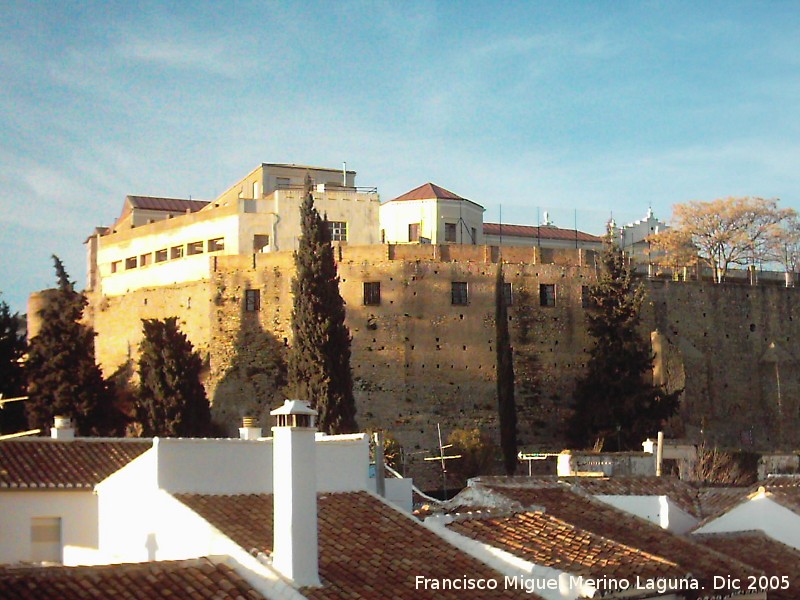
[[443, 458], [344, 174]]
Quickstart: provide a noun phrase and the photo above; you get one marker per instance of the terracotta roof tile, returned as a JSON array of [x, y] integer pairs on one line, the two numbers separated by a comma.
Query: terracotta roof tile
[[717, 500], [545, 232], [545, 540], [592, 515], [71, 464], [428, 191], [367, 548], [198, 578], [680, 492], [761, 552]]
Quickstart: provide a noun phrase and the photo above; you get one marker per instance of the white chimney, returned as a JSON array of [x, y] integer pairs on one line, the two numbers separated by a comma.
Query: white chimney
[[248, 430], [62, 429], [295, 548]]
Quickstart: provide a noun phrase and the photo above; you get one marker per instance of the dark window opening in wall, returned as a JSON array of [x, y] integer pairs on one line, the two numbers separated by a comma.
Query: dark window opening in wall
[[176, 252], [413, 232], [372, 293], [449, 232], [547, 294], [130, 263], [161, 255], [261, 242], [145, 259], [458, 293], [116, 266], [474, 236], [281, 183], [586, 298], [252, 300], [338, 230], [508, 294], [216, 245], [194, 248]]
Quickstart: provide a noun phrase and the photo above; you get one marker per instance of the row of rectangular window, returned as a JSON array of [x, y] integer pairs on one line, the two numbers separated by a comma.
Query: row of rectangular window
[[175, 252], [459, 295], [449, 233]]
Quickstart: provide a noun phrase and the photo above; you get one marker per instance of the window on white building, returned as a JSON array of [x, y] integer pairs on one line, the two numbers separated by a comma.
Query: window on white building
[[338, 230], [176, 252], [130, 263], [46, 539], [449, 232], [194, 248], [161, 255], [216, 245]]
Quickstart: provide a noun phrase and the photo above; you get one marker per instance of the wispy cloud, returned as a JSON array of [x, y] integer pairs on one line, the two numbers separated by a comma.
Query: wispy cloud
[[211, 56]]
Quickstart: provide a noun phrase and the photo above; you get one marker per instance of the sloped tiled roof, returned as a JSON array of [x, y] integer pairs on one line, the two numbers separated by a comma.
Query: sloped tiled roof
[[761, 552], [197, 578], [428, 191], [180, 205], [70, 464], [545, 232], [680, 492], [718, 500], [592, 515], [367, 549], [545, 540]]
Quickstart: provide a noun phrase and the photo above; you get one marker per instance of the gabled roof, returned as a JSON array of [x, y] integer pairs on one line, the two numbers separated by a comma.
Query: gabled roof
[[428, 191], [545, 540], [757, 549], [197, 578], [35, 463], [545, 232], [178, 205], [585, 512], [680, 492], [367, 549]]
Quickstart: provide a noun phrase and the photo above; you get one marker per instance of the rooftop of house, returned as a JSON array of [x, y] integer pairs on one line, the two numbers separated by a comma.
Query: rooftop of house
[[428, 191], [585, 512], [761, 552], [35, 463], [197, 578], [548, 232], [366, 547], [166, 204], [543, 539]]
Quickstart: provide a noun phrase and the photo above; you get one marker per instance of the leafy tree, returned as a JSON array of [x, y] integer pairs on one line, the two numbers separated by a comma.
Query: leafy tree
[[785, 246], [506, 404], [12, 376], [729, 231], [477, 450], [63, 377], [171, 400], [319, 359], [616, 398]]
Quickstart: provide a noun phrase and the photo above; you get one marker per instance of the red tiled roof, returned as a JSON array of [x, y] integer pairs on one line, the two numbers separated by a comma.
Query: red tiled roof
[[551, 542], [198, 578], [761, 552], [428, 191], [680, 492], [166, 204], [545, 232], [367, 549], [595, 516], [718, 500], [72, 464]]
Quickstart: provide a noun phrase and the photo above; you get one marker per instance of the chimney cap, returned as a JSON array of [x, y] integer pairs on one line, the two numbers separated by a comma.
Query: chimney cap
[[294, 407]]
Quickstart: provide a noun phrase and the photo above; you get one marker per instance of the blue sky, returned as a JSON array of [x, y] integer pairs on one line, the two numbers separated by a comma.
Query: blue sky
[[562, 106]]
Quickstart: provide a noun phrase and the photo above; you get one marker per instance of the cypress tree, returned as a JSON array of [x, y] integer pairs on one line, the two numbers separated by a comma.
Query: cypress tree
[[615, 399], [171, 400], [63, 377], [506, 403], [319, 359], [12, 376]]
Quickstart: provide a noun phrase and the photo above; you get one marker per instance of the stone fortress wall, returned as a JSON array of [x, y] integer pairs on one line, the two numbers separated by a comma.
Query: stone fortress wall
[[419, 360]]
